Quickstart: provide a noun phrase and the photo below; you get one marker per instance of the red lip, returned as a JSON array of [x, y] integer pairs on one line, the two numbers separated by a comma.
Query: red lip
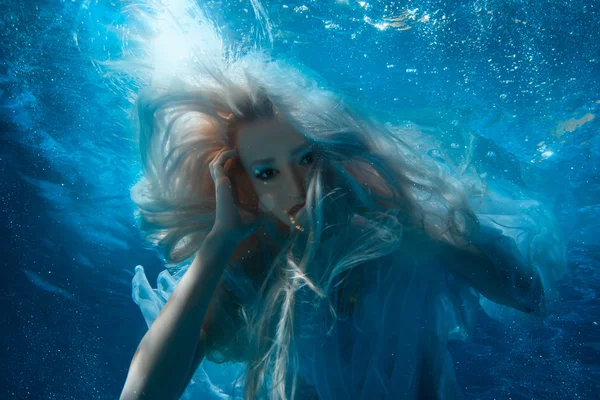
[[295, 209]]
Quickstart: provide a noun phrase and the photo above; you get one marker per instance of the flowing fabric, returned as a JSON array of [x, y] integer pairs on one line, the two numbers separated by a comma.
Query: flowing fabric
[[391, 344]]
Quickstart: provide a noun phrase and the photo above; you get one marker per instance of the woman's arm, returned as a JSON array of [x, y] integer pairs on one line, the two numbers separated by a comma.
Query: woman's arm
[[507, 281], [173, 347], [518, 253], [171, 350]]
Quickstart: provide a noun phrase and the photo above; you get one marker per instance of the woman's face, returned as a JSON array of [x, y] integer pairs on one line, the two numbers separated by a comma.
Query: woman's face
[[277, 158]]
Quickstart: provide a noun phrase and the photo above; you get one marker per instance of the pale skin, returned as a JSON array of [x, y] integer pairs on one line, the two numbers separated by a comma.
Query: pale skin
[[174, 346], [277, 159]]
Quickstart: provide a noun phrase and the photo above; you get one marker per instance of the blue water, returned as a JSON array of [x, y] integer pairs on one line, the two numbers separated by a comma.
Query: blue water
[[524, 75]]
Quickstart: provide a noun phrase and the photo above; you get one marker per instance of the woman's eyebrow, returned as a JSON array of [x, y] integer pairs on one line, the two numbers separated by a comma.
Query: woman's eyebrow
[[262, 161], [302, 147], [271, 159]]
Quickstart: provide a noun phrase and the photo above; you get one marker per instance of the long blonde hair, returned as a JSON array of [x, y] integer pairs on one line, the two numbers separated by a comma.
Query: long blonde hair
[[366, 171]]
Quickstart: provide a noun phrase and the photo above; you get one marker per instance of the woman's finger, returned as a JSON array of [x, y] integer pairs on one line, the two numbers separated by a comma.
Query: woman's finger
[[217, 166], [224, 156], [211, 166], [223, 186]]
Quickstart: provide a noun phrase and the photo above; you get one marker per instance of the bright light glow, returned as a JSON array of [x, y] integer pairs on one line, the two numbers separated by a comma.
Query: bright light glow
[[547, 154], [171, 47]]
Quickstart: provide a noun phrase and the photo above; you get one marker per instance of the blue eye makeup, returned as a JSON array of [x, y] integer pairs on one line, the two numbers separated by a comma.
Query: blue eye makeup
[[266, 174], [308, 156]]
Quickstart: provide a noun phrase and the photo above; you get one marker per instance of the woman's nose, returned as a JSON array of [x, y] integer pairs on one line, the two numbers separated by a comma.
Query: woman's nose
[[295, 185], [296, 188]]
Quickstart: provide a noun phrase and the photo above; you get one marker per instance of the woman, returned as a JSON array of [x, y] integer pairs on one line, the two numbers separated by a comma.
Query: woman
[[331, 257]]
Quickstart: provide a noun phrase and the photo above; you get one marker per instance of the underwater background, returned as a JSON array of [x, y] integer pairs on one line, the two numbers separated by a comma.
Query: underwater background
[[523, 76]]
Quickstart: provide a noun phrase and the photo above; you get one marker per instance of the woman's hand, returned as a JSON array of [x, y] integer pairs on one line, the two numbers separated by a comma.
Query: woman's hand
[[232, 222]]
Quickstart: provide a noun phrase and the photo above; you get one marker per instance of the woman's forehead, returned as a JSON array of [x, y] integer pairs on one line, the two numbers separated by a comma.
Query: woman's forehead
[[268, 138]]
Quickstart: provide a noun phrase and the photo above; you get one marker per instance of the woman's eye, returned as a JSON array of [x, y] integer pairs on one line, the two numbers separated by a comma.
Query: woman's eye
[[266, 174], [308, 157], [269, 173]]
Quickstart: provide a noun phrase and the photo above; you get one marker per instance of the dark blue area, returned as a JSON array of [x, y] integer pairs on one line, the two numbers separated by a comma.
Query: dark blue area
[[512, 72]]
